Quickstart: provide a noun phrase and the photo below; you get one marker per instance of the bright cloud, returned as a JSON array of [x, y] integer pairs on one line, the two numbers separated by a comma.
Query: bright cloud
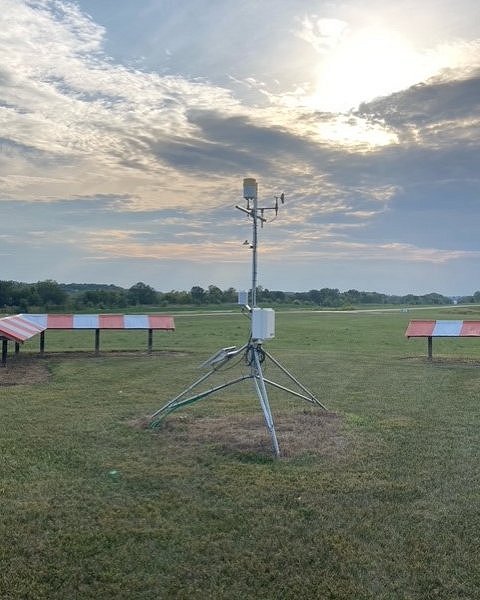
[[322, 33], [70, 107], [358, 64]]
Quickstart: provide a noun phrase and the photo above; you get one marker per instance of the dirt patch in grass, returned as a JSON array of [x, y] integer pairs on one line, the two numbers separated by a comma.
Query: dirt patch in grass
[[301, 433], [33, 369], [444, 361], [24, 370], [74, 354], [447, 361]]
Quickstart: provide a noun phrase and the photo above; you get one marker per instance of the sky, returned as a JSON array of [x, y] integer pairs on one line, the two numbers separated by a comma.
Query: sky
[[127, 128]]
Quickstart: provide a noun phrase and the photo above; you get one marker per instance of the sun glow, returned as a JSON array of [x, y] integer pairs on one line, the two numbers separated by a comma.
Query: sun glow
[[357, 66], [369, 64], [355, 132]]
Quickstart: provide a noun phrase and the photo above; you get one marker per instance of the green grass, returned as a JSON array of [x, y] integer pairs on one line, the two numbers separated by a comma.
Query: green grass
[[389, 509]]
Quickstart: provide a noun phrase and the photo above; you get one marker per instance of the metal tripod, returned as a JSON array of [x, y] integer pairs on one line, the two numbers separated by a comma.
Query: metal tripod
[[253, 352], [254, 355]]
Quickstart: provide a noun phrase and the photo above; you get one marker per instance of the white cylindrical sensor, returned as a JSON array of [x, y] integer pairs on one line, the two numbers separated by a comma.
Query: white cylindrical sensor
[[243, 298], [250, 188]]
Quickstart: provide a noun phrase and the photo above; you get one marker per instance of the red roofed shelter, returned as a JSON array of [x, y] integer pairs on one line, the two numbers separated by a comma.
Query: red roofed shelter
[[16, 329], [442, 329], [20, 328]]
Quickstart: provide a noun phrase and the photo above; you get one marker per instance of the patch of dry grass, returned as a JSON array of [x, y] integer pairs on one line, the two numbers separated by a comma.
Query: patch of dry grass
[[314, 432], [24, 370]]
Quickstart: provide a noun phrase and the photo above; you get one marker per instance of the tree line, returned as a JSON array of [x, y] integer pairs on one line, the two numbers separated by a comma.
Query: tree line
[[49, 295]]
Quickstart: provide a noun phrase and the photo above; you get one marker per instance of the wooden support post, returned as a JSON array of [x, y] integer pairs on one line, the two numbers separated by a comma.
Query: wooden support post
[[430, 344], [17, 347], [97, 341], [42, 343], [150, 340], [4, 352]]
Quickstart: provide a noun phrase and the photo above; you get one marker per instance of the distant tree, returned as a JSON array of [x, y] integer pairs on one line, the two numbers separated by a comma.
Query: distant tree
[[198, 294], [214, 295], [302, 297], [352, 296], [230, 295], [101, 298], [373, 298], [412, 299], [50, 293], [141, 293], [325, 297], [6, 293], [29, 298], [277, 296], [173, 297], [183, 297], [435, 298], [261, 293]]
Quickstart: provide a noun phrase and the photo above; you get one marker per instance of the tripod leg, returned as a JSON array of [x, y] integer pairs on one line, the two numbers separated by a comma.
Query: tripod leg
[[263, 397], [295, 380], [184, 393], [289, 391], [172, 406]]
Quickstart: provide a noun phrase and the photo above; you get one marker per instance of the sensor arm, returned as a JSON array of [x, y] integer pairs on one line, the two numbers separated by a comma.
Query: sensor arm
[[250, 213]]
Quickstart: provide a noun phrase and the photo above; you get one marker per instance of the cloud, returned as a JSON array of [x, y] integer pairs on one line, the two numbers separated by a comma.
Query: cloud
[[74, 120], [390, 252], [322, 33], [377, 51], [441, 112], [119, 245], [438, 127], [75, 112]]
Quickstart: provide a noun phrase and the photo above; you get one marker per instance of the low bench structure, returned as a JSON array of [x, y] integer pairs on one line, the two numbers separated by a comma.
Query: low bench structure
[[20, 328], [431, 329]]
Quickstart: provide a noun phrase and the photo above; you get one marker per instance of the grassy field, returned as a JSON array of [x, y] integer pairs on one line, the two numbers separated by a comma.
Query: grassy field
[[376, 499]]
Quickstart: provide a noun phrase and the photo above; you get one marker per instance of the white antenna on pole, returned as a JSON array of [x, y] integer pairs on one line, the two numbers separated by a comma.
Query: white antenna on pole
[[262, 328]]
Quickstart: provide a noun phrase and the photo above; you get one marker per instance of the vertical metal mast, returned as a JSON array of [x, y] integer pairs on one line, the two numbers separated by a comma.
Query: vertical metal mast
[[254, 252], [256, 353], [250, 193]]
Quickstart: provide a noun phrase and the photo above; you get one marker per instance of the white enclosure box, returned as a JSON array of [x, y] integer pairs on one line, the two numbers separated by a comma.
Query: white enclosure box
[[243, 298], [250, 188], [263, 323]]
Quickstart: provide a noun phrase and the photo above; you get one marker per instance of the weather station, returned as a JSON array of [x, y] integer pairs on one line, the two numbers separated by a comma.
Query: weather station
[[252, 354]]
